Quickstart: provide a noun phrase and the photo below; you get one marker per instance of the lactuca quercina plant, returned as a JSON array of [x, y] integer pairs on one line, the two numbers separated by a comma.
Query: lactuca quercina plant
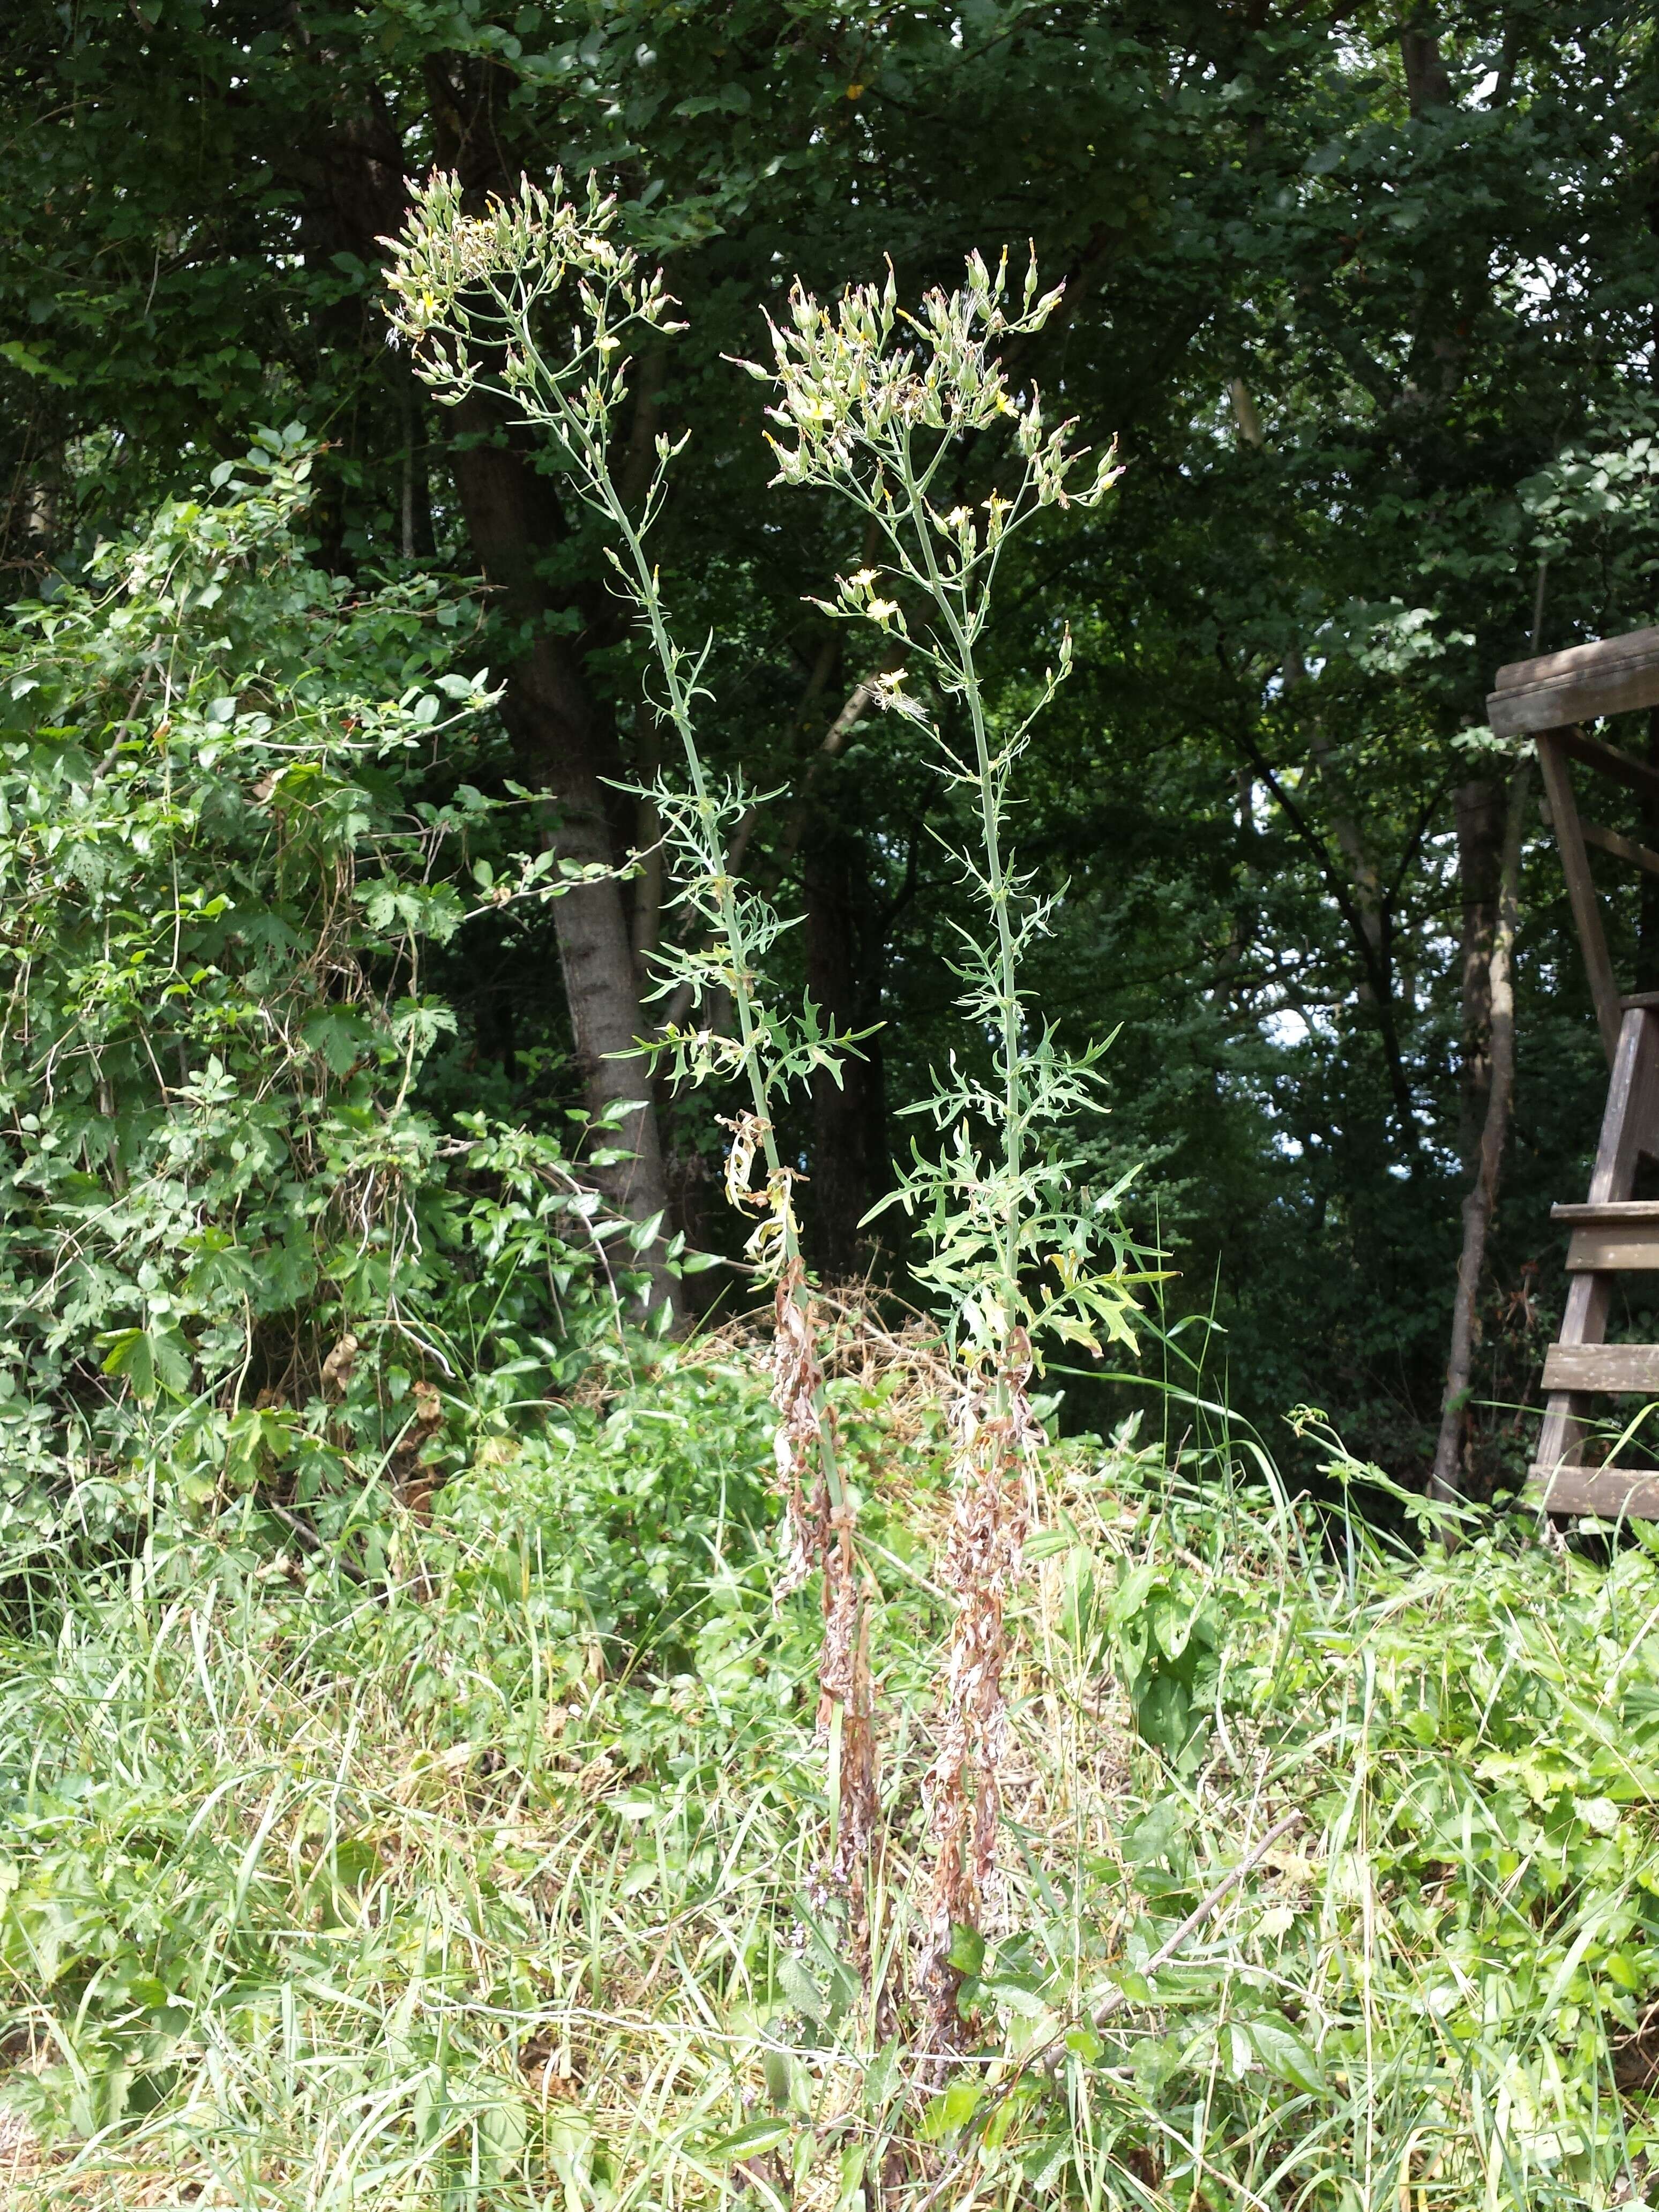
[[896, 412]]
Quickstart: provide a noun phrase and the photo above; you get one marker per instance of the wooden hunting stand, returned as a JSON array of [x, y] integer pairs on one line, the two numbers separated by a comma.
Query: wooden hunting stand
[[1554, 697]]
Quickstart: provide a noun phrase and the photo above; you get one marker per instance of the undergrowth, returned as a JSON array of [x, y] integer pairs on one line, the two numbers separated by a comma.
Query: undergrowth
[[488, 1869]]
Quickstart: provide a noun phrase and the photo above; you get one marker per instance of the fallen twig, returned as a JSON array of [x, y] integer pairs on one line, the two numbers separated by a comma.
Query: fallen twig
[[1194, 1920]]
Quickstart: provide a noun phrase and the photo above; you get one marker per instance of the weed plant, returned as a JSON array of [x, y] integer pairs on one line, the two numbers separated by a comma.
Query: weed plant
[[886, 409], [895, 413]]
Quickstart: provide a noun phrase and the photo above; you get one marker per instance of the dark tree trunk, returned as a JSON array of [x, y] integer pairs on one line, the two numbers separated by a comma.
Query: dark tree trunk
[[562, 745], [1428, 84], [1481, 812], [844, 953], [1481, 1201], [354, 192], [1647, 943], [1647, 940], [414, 533]]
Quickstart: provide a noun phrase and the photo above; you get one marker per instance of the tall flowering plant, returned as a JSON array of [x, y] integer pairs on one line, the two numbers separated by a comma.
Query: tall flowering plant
[[536, 302], [895, 412]]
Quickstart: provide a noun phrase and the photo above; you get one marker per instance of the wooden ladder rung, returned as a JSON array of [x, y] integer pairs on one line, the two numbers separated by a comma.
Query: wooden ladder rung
[[1612, 1493], [1620, 1243], [1618, 1234], [1617, 1367]]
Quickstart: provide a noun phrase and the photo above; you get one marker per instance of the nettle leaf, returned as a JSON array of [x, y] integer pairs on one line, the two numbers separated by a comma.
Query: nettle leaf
[[800, 1988]]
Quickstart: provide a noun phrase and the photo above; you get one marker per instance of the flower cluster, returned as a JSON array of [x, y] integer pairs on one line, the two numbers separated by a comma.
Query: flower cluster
[[866, 388], [470, 292]]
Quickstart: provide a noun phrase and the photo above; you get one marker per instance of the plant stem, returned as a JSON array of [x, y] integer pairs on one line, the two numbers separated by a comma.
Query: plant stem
[[990, 811], [647, 593]]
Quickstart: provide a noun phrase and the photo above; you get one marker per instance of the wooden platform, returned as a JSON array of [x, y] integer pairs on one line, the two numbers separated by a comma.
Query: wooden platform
[[1618, 1237], [1622, 1493], [1558, 689], [1552, 696], [1629, 1370]]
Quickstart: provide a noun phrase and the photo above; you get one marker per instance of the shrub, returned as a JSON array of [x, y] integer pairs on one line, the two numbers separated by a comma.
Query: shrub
[[237, 806]]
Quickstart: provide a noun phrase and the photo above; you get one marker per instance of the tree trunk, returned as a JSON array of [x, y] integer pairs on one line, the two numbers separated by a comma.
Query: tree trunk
[[651, 884], [1427, 83], [550, 718], [1480, 818], [1647, 943], [560, 744], [416, 540], [34, 520], [1647, 938], [1477, 1206], [848, 1117]]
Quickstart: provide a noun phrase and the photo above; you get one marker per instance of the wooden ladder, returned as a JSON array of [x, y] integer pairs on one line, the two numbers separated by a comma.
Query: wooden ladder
[[1614, 1233], [1552, 698]]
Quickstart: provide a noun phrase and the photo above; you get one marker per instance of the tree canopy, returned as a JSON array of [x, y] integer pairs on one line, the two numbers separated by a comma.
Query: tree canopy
[[1366, 298]]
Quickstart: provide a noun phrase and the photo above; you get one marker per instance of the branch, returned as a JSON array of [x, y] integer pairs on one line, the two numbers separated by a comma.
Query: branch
[[1370, 954], [1196, 1919]]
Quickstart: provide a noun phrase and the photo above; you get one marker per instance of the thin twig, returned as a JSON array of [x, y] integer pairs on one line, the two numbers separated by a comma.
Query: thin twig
[[1194, 1920]]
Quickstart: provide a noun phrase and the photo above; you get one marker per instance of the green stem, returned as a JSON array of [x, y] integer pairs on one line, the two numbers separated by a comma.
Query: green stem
[[649, 596], [990, 812]]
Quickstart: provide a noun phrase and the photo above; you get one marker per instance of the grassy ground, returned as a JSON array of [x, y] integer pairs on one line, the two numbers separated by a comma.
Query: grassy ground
[[483, 1865]]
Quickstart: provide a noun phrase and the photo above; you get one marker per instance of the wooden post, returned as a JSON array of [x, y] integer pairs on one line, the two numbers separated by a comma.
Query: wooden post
[[1581, 885]]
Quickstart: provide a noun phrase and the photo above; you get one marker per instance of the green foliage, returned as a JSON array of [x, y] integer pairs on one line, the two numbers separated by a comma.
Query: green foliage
[[618, 1518], [480, 1861], [222, 873], [1347, 318], [1164, 1637]]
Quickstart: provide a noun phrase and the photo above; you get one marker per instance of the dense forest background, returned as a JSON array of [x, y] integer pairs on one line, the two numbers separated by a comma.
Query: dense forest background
[[1368, 304]]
